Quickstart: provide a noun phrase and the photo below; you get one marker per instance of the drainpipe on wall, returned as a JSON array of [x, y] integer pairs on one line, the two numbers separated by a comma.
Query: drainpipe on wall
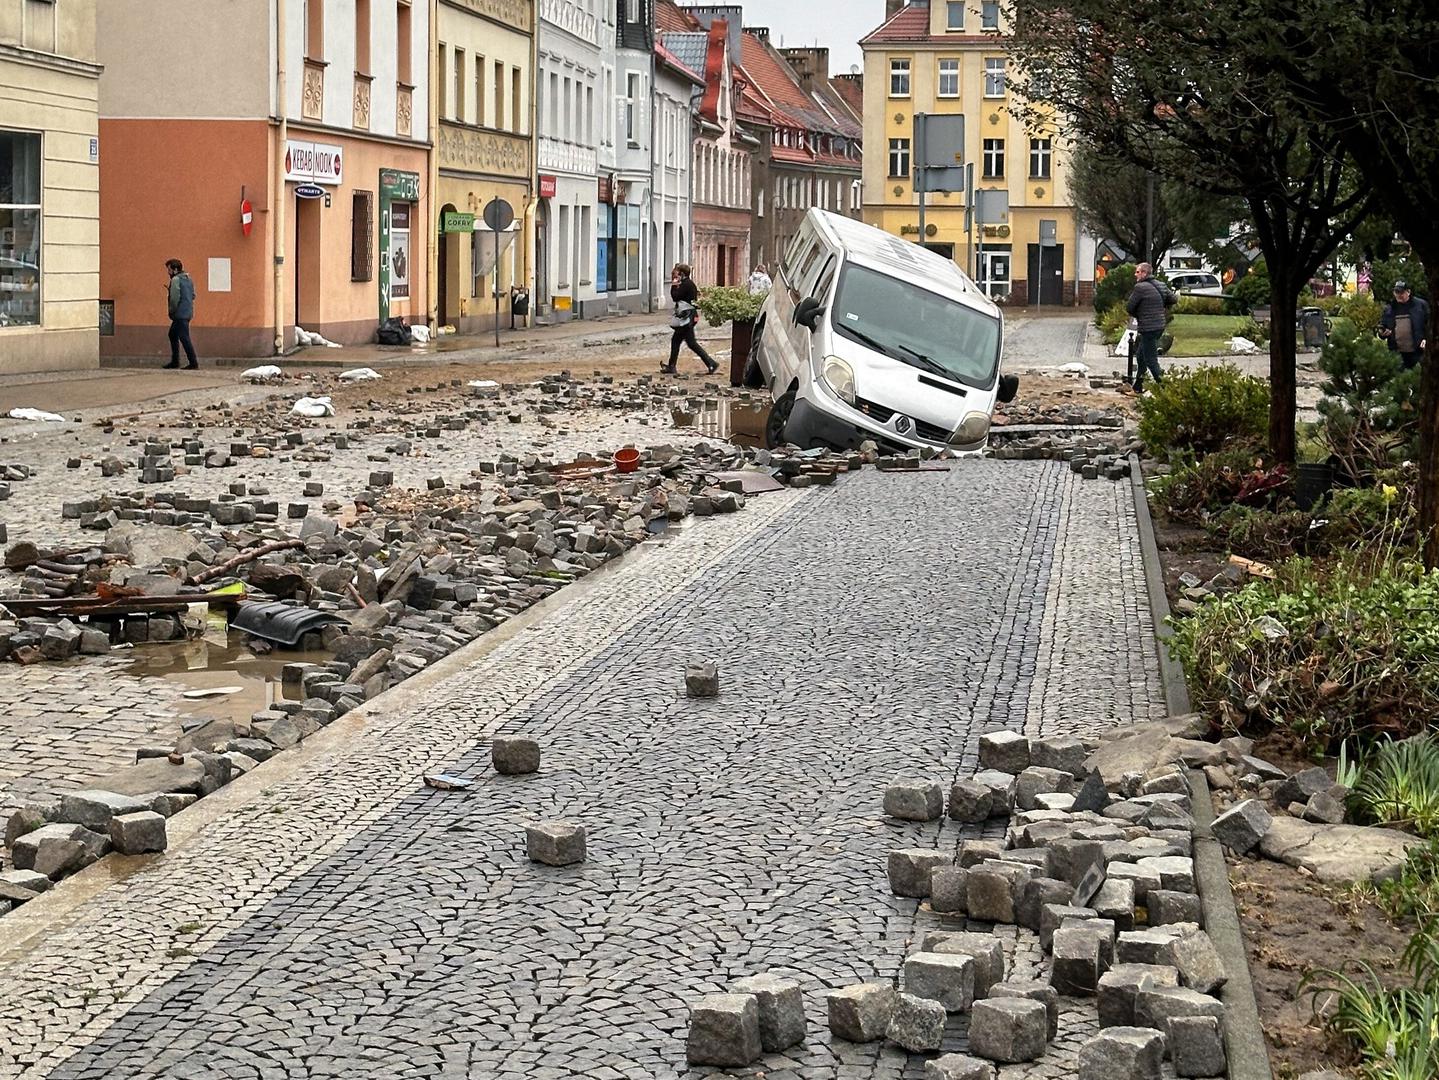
[[656, 237], [532, 210], [277, 198], [432, 200]]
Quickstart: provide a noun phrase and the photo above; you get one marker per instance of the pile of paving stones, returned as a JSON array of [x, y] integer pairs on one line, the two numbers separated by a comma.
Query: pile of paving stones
[[1097, 862], [1089, 454], [1193, 592]]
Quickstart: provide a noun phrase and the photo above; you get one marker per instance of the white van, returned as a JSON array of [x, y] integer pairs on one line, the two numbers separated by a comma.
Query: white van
[[866, 336]]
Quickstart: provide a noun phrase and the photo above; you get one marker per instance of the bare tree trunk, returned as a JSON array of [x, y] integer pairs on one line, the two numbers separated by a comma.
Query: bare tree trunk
[[1429, 426], [1283, 361]]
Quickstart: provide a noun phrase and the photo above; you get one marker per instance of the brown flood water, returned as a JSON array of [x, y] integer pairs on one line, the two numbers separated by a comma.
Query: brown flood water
[[200, 665], [737, 421]]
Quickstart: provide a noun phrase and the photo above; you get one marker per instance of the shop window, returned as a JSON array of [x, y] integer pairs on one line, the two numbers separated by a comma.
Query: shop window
[[362, 236], [19, 228]]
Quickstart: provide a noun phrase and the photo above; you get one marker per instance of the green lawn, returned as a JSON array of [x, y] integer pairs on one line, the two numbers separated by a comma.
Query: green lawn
[[1204, 335]]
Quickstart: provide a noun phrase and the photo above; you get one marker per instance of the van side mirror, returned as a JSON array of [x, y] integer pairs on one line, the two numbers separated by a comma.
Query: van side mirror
[[807, 313], [1008, 388]]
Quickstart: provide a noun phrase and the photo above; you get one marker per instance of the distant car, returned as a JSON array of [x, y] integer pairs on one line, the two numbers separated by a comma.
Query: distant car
[[1195, 283]]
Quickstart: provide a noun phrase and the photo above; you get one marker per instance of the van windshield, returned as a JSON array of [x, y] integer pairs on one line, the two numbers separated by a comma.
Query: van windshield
[[915, 326]]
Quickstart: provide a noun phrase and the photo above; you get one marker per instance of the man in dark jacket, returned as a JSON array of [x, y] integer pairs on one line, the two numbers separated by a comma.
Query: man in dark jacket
[[182, 310], [1405, 324], [1147, 303]]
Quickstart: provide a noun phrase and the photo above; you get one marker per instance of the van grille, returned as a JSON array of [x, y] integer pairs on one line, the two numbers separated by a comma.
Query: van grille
[[882, 414]]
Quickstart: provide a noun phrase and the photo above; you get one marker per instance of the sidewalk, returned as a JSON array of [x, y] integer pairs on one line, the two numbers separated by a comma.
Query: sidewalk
[[446, 349]]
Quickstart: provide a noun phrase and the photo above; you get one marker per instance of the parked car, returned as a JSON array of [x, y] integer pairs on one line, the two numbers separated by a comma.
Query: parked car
[[1195, 283], [865, 336]]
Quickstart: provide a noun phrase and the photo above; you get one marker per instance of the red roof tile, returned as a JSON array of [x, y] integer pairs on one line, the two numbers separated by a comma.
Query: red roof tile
[[671, 17], [910, 25]]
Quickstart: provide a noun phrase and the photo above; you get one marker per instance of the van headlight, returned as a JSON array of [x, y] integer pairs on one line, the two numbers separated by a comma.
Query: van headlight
[[973, 428], [839, 377]]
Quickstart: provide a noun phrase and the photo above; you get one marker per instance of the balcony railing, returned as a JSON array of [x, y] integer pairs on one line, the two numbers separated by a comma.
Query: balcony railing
[[556, 155], [572, 18]]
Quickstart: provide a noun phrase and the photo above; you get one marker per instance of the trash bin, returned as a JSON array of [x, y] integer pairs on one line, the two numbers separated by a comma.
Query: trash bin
[[1314, 327], [519, 304]]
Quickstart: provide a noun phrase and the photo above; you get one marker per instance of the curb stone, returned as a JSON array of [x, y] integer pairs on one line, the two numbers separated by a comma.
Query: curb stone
[[1244, 1035]]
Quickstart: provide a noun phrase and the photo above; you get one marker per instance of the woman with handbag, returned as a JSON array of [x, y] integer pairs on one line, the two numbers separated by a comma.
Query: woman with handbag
[[684, 294]]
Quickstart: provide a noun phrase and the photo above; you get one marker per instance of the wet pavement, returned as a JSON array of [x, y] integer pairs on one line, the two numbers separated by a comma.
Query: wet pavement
[[342, 920]]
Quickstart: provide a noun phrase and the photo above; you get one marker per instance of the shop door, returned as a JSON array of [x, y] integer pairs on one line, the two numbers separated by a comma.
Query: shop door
[[994, 273], [1046, 274], [542, 257], [443, 284], [307, 264], [721, 265]]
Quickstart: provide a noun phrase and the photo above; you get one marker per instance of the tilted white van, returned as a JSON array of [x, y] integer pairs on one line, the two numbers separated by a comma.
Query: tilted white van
[[866, 336]]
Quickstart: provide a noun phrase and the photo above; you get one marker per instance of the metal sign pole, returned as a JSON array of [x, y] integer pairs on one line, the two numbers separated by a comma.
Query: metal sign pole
[[497, 288], [919, 149]]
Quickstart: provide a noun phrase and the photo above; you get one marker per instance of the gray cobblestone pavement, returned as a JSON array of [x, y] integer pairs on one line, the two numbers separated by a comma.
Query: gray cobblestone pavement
[[349, 922]]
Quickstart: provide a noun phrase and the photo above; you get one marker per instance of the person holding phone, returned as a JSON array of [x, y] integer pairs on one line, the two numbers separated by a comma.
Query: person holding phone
[[181, 297]]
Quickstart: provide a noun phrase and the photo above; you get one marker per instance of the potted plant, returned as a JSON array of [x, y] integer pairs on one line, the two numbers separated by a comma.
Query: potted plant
[[736, 305]]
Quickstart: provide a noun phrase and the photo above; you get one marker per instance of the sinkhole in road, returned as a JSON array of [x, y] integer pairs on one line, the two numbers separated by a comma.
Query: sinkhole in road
[[737, 420]]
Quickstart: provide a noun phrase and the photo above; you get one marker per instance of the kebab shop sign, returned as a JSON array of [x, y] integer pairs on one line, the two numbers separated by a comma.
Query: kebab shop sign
[[313, 163]]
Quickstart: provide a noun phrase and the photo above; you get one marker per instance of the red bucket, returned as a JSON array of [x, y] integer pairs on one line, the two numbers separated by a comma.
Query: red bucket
[[627, 460]]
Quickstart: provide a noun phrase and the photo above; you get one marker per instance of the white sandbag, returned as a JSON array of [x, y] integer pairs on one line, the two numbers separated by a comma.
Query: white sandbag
[[36, 414], [313, 406], [1121, 347], [420, 334], [261, 373], [359, 374], [306, 337], [1242, 346], [1075, 368]]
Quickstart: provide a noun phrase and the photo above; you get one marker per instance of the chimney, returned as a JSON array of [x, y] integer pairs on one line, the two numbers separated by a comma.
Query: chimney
[[810, 64], [891, 8], [761, 32]]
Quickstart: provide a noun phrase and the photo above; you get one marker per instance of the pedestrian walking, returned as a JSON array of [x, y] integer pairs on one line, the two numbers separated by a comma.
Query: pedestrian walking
[[1405, 324], [1148, 303], [182, 310], [684, 294], [759, 281]]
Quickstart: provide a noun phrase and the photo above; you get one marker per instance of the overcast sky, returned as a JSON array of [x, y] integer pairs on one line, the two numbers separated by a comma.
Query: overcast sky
[[835, 24]]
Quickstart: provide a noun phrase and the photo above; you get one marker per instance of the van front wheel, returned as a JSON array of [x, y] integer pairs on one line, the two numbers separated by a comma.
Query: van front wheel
[[778, 419]]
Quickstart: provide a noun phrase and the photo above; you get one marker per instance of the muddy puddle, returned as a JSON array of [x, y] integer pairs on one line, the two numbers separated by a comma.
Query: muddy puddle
[[202, 665], [734, 420]]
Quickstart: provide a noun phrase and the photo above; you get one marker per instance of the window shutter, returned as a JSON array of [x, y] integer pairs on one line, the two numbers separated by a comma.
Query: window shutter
[[362, 236]]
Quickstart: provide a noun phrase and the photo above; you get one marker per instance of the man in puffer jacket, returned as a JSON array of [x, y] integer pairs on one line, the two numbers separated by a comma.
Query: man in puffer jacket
[[1147, 303]]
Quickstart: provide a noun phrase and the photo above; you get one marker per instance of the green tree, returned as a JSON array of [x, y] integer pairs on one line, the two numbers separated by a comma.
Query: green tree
[[1366, 69], [1158, 84]]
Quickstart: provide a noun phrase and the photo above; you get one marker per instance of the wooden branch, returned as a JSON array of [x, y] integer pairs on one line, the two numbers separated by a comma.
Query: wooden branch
[[242, 558]]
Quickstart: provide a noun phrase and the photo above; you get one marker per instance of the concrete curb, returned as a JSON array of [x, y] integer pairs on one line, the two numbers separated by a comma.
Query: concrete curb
[[1243, 1034]]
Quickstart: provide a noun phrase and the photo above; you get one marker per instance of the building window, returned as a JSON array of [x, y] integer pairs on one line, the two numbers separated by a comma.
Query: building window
[[899, 78], [989, 15], [1040, 153], [993, 159], [632, 96], [898, 157], [516, 120], [949, 78], [459, 110], [994, 77], [499, 94], [441, 80], [315, 30], [19, 229], [954, 15], [404, 49], [362, 37], [480, 113], [632, 11], [477, 262]]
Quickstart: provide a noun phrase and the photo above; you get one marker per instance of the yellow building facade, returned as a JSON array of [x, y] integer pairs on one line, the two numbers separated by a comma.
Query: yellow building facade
[[484, 150], [948, 58], [49, 186]]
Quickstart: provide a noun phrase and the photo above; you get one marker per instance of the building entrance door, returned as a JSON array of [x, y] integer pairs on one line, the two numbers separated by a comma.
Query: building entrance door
[[994, 272], [1046, 274], [307, 260]]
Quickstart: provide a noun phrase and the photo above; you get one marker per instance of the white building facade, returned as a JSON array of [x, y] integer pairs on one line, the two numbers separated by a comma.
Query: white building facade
[[675, 97], [574, 79]]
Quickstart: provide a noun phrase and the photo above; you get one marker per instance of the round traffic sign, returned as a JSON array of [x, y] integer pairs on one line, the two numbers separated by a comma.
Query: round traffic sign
[[499, 215]]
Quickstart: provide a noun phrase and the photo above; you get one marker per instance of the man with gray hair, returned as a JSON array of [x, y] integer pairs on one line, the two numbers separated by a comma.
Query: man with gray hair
[[1147, 303]]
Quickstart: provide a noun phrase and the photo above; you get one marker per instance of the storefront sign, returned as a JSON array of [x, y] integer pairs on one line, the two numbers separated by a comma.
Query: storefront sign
[[315, 163], [606, 190], [398, 192], [547, 187], [309, 191], [457, 223]]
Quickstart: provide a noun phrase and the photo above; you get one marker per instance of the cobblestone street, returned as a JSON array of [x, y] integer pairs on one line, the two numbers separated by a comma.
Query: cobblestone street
[[339, 919]]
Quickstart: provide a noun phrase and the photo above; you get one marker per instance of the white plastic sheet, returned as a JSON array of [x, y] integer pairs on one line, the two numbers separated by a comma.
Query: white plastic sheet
[[261, 373], [420, 334], [359, 374], [1242, 346], [313, 406], [305, 337], [36, 414], [1075, 368]]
